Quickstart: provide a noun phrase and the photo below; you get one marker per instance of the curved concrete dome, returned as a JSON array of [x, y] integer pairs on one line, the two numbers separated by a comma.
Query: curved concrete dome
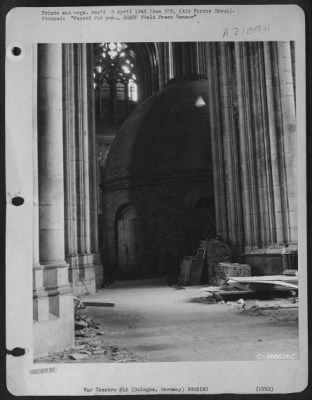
[[166, 134]]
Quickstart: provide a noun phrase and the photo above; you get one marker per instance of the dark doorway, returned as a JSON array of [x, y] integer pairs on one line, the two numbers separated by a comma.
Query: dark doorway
[[128, 243]]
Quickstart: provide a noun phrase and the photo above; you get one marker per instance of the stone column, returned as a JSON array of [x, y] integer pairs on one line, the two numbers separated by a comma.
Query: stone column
[[70, 175], [58, 332], [267, 150], [247, 146], [216, 142], [50, 149], [40, 298], [83, 278], [162, 63], [187, 62], [269, 217], [177, 66], [81, 240], [170, 60], [202, 58], [94, 174], [230, 145], [85, 128], [165, 70], [289, 137], [94, 179], [259, 128], [277, 220]]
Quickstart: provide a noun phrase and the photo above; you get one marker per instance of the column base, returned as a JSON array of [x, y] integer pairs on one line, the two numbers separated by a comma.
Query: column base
[[49, 283], [56, 333], [266, 261]]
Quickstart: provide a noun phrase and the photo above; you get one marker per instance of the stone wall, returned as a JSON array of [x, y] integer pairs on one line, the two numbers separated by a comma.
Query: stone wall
[[159, 166], [171, 225]]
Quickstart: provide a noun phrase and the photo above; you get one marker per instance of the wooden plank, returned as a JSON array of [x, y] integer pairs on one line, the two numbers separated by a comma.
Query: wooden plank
[[276, 283], [231, 292], [283, 278], [196, 271], [98, 303]]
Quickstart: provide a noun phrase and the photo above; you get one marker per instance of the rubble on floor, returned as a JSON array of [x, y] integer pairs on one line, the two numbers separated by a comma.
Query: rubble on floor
[[90, 343], [89, 349], [282, 309], [275, 304], [279, 291], [253, 287]]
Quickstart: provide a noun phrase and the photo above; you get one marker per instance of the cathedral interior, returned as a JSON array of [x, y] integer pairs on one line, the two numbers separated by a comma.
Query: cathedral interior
[[144, 150]]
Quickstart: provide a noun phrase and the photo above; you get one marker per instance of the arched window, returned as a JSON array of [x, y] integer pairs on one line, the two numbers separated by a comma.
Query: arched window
[[115, 66], [120, 91], [133, 90]]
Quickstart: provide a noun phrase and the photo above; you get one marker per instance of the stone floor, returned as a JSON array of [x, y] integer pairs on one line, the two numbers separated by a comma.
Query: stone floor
[[155, 322]]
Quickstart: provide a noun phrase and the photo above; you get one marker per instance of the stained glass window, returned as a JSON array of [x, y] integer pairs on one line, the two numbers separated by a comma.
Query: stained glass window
[[115, 65]]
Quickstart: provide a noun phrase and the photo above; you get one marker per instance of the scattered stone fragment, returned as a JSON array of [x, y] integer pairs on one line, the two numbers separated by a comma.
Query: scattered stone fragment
[[293, 300], [80, 324], [98, 351], [78, 347], [290, 272], [78, 304], [81, 334], [217, 296], [78, 356]]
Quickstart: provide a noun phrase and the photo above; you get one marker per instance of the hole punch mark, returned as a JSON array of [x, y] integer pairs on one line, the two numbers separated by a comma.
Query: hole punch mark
[[16, 352], [17, 201], [16, 51]]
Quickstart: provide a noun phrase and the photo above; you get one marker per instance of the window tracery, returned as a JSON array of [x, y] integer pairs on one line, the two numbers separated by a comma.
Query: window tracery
[[115, 66]]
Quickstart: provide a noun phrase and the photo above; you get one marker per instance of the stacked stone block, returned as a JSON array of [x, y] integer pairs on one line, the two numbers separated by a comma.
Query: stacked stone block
[[225, 270]]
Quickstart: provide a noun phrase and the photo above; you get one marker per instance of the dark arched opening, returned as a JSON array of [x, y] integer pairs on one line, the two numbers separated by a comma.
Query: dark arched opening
[[129, 240]]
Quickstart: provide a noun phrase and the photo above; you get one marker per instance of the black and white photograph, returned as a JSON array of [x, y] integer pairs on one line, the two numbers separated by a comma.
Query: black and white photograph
[[165, 200], [167, 218]]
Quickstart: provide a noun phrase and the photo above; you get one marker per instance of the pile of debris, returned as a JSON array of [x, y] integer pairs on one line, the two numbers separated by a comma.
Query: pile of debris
[[90, 342], [198, 269], [90, 349], [251, 287], [277, 309]]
